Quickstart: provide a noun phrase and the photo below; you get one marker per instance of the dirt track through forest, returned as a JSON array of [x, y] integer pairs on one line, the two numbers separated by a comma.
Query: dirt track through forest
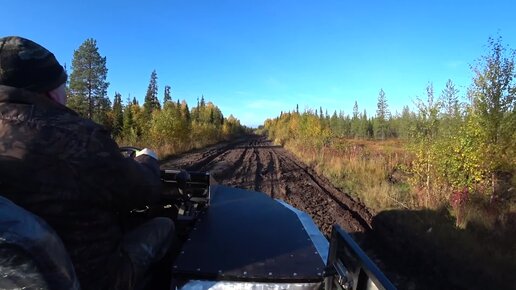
[[257, 164]]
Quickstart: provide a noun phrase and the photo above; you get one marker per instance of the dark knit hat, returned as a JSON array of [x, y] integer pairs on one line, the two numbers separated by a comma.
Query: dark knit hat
[[28, 65]]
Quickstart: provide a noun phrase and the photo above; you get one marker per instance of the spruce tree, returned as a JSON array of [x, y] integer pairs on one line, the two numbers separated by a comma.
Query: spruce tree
[[202, 104], [128, 128], [88, 85], [118, 115], [382, 114], [151, 102], [167, 96]]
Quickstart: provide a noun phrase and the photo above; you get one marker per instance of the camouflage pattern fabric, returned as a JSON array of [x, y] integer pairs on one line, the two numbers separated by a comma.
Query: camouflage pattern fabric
[[68, 170]]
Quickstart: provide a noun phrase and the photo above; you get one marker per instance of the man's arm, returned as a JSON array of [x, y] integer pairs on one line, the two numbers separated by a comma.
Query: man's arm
[[132, 183]]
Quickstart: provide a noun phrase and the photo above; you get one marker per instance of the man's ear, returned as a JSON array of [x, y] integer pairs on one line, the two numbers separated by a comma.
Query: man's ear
[[58, 94]]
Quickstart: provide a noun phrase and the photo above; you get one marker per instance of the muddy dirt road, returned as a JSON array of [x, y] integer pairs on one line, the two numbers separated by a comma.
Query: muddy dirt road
[[258, 165]]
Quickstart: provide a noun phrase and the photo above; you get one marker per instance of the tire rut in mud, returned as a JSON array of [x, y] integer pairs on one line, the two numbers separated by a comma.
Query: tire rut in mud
[[258, 165]]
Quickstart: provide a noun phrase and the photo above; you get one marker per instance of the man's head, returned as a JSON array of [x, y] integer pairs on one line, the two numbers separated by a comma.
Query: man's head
[[27, 65]]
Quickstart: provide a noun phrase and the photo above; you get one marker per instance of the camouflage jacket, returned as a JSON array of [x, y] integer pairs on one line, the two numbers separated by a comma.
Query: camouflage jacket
[[69, 171]]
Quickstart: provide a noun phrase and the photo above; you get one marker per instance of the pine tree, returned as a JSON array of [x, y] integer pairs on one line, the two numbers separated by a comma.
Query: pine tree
[[151, 102], [88, 85]]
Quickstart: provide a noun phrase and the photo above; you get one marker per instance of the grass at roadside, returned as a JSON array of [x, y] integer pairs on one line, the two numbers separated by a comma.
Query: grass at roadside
[[374, 172]]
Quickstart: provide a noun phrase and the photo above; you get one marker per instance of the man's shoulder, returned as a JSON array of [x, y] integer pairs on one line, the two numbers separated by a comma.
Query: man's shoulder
[[22, 105], [66, 119]]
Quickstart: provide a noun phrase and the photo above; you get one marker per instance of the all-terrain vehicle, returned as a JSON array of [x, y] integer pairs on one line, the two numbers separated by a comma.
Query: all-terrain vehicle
[[230, 239]]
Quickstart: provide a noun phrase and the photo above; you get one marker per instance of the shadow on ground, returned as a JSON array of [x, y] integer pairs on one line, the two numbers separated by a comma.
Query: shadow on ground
[[425, 246]]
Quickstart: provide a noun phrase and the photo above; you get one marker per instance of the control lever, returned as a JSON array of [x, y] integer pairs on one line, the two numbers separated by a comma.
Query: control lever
[[182, 179]]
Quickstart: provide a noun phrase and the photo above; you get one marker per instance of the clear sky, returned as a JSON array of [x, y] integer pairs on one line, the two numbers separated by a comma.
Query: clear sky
[[256, 58]]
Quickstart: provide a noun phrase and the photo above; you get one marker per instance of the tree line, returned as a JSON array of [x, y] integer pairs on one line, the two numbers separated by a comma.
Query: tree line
[[462, 147], [169, 126]]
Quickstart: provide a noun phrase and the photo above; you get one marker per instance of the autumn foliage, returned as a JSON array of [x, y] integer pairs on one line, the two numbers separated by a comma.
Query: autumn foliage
[[175, 128], [457, 151]]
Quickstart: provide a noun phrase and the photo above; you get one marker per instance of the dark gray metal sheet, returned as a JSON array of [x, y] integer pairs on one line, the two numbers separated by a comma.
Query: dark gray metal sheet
[[248, 236]]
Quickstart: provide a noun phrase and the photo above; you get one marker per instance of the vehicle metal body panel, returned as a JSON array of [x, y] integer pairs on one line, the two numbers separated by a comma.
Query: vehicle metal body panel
[[247, 236], [318, 239], [220, 285]]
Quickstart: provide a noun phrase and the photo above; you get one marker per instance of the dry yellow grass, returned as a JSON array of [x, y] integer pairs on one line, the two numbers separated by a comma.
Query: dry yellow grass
[[363, 168]]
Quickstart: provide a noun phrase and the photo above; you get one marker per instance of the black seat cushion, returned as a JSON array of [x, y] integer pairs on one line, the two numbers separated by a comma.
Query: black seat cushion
[[18, 270], [23, 234]]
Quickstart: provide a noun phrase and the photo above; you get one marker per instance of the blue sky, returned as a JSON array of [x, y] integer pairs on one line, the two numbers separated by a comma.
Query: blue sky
[[255, 59]]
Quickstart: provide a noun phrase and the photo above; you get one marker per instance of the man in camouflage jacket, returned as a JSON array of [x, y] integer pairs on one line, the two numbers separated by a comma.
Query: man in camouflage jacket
[[69, 171]]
